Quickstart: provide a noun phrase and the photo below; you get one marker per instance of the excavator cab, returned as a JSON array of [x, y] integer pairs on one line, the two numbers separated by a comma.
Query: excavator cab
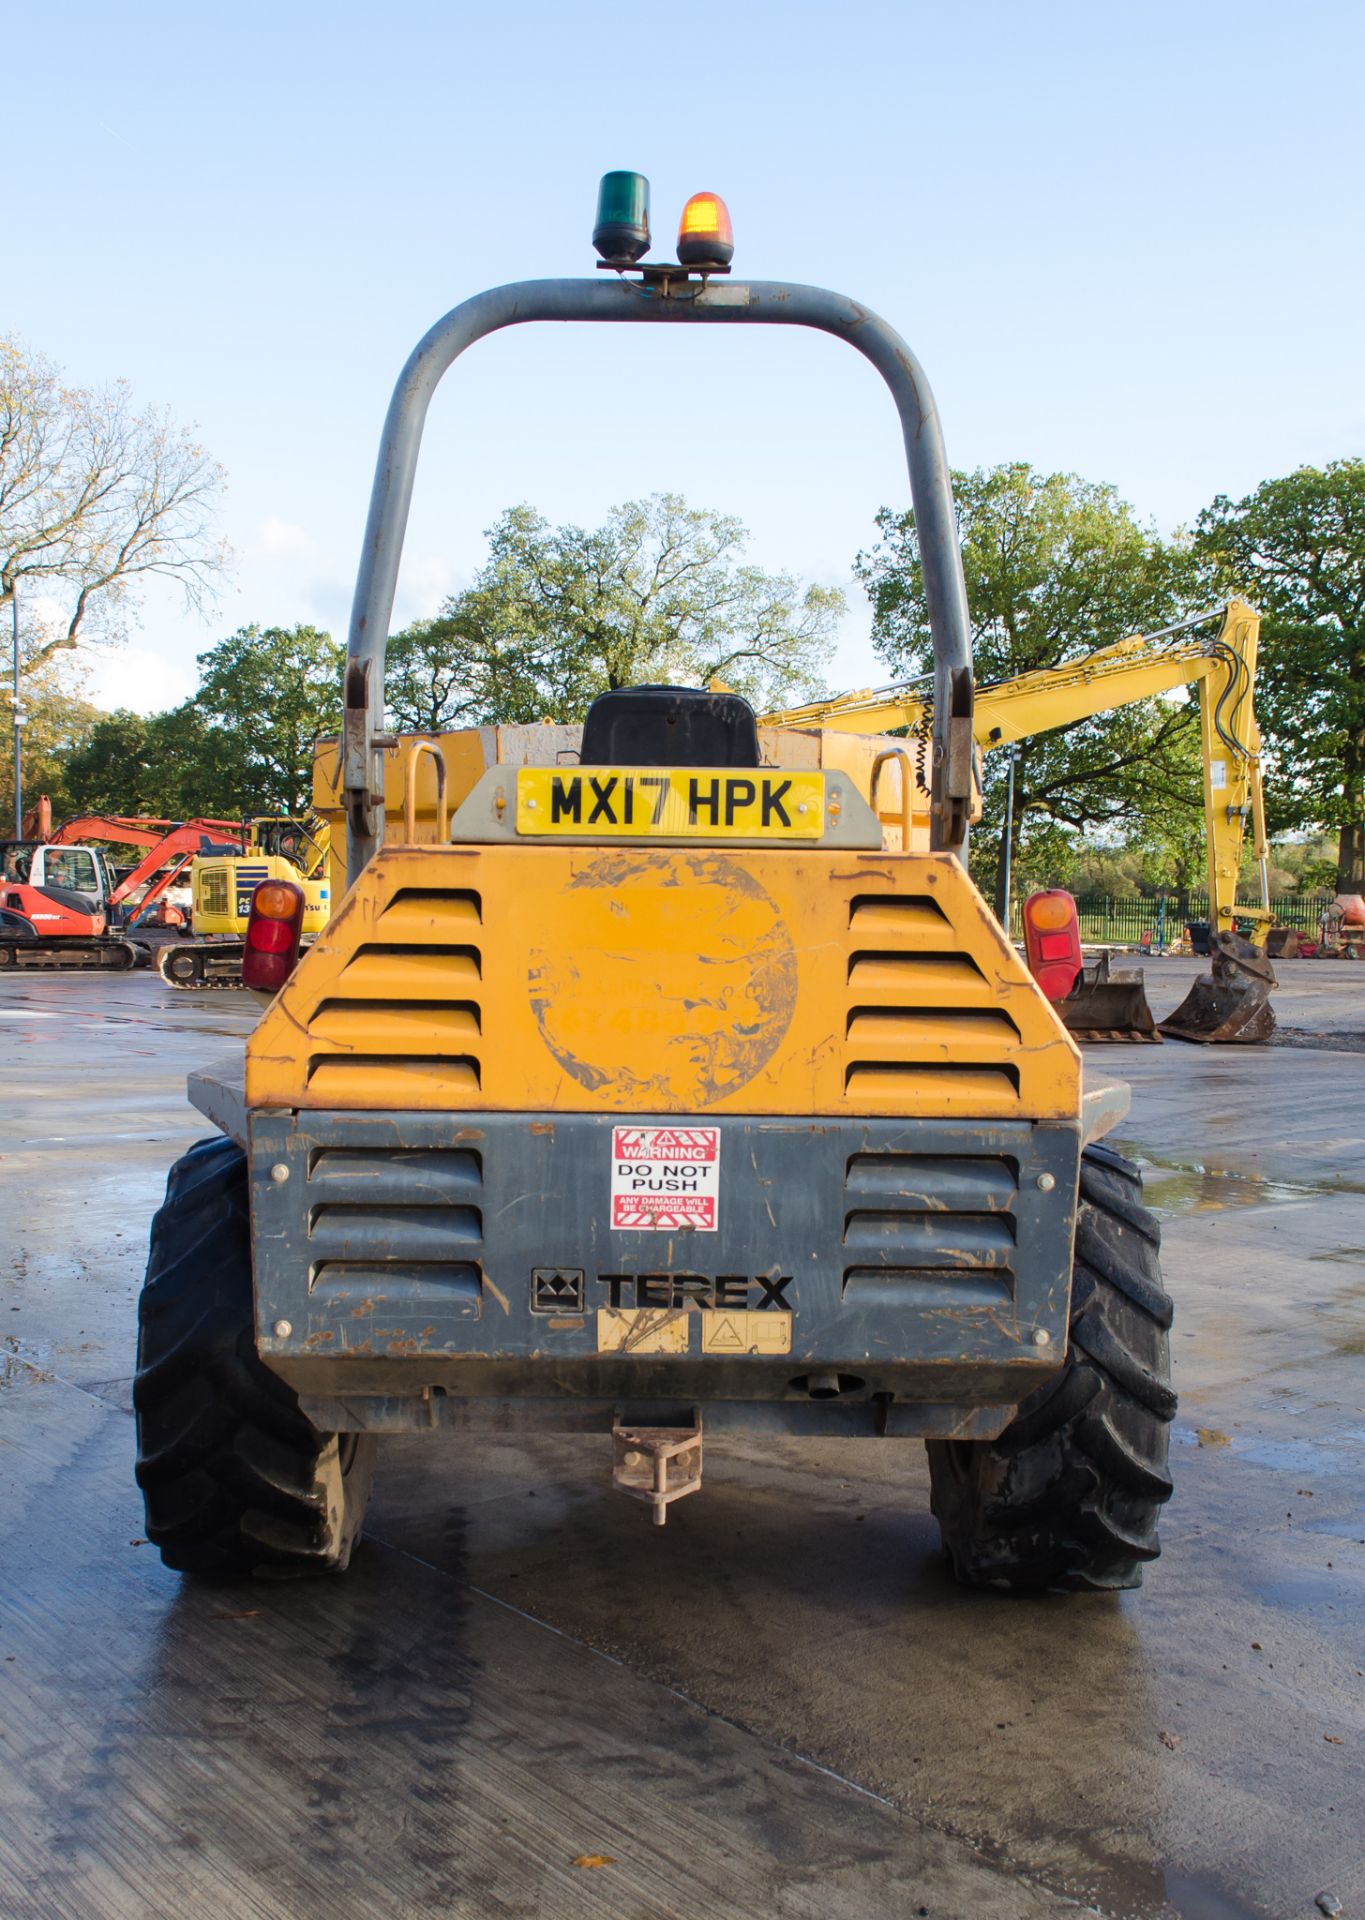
[[55, 907]]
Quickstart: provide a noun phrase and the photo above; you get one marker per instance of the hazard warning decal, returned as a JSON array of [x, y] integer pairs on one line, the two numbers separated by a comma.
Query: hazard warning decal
[[745, 1332], [665, 1179]]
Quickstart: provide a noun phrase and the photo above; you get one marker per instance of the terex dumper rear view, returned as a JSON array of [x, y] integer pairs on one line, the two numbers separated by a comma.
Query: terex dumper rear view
[[666, 1079]]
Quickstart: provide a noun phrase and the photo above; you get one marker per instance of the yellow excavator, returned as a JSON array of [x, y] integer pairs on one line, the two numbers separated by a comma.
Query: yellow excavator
[[274, 848], [1216, 651]]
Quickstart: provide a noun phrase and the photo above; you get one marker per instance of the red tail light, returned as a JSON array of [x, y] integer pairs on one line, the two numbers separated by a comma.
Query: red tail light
[[273, 930], [1052, 939]]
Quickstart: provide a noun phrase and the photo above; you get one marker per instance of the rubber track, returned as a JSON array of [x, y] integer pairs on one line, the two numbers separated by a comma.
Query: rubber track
[[1068, 1497], [227, 1461]]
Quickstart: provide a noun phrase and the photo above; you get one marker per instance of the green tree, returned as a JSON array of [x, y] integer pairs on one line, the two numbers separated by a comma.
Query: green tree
[[265, 694], [58, 718], [1056, 567], [168, 765], [1297, 547], [557, 615], [111, 771]]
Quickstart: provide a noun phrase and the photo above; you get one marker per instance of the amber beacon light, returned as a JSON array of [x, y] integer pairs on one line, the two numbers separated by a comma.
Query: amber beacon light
[[705, 235], [273, 930]]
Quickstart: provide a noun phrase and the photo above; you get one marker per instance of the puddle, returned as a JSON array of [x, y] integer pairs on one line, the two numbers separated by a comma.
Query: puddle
[[1299, 1457], [1352, 1530], [1195, 1896], [1310, 1588], [1292, 1456], [1176, 1187]]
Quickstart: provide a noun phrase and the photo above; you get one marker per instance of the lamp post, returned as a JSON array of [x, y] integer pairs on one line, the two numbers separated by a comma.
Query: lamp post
[[1011, 761], [18, 720]]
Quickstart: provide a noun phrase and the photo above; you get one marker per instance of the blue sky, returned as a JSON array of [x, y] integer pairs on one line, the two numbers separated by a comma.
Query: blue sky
[[1125, 240]]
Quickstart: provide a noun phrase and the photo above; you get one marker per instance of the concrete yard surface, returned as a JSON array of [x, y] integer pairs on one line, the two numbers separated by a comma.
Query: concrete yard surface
[[780, 1704]]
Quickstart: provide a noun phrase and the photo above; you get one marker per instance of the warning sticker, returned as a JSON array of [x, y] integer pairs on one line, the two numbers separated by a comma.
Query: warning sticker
[[641, 1330], [665, 1179], [744, 1331]]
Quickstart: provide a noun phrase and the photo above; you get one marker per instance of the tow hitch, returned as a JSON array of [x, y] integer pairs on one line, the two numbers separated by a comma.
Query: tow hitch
[[656, 1464]]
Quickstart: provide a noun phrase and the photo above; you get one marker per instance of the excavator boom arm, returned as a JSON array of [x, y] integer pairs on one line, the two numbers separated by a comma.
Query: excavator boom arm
[[1132, 669]]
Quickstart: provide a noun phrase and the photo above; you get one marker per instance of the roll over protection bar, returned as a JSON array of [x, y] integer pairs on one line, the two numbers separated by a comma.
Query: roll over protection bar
[[667, 298]]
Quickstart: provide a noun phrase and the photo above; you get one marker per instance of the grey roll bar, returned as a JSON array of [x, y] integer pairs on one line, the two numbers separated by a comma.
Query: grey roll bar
[[676, 298]]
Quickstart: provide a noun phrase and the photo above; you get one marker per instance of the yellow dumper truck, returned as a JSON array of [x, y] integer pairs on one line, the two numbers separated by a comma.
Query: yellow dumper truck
[[660, 1078]]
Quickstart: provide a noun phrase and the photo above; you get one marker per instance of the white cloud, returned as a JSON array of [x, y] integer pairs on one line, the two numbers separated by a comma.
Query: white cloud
[[281, 539], [139, 678], [427, 580]]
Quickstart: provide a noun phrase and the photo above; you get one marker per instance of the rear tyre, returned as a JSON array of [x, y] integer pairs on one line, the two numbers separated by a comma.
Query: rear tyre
[[1068, 1497], [236, 1480]]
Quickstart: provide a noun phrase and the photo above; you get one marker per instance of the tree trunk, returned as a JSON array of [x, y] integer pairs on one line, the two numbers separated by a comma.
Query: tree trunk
[[1351, 858]]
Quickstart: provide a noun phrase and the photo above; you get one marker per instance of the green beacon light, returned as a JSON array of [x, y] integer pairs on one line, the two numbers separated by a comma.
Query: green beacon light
[[621, 234]]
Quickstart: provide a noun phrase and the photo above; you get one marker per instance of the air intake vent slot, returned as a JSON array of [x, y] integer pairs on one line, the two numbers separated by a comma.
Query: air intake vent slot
[[424, 972], [409, 1177], [882, 1082], [909, 974], [932, 1029], [893, 916], [934, 1184], [415, 1026], [357, 1290], [933, 1239], [392, 1080], [917, 1289], [392, 1233], [430, 913]]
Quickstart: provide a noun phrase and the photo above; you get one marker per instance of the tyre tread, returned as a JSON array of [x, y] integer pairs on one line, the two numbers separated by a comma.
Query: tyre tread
[[1068, 1497], [227, 1461]]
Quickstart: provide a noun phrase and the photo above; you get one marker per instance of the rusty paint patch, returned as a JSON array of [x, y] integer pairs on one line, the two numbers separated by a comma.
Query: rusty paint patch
[[543, 1126], [365, 1308], [723, 979], [565, 1326], [319, 1339]]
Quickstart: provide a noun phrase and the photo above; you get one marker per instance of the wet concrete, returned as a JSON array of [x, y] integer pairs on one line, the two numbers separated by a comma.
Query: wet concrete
[[519, 1670]]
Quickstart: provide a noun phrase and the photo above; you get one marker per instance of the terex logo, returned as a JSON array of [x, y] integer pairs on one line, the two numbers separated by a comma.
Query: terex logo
[[698, 1290]]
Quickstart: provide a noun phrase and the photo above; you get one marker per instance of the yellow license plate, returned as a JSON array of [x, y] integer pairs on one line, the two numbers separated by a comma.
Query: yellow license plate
[[671, 803]]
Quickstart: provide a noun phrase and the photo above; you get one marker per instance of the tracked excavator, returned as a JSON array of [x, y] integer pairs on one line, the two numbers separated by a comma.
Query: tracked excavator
[[1215, 651], [64, 906], [273, 847]]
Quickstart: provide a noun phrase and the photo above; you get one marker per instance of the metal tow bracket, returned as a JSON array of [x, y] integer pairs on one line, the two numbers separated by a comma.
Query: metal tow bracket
[[656, 1464]]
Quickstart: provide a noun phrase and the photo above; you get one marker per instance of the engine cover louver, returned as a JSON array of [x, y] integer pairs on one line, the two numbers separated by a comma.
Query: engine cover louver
[[515, 978]]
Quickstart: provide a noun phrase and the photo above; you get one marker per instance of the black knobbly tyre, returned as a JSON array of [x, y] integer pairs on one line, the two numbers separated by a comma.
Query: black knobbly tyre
[[1068, 1497], [236, 1480]]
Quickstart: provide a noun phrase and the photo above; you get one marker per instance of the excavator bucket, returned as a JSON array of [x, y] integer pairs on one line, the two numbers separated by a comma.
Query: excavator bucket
[[1229, 1003], [1108, 1006]]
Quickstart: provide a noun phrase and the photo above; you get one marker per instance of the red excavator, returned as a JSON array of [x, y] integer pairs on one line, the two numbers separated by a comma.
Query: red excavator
[[63, 905]]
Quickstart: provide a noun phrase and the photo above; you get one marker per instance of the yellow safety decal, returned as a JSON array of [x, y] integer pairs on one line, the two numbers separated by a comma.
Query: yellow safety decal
[[745, 1331], [665, 803], [642, 1329]]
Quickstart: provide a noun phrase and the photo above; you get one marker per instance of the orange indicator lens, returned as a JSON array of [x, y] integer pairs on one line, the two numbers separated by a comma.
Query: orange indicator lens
[[1050, 909], [276, 900]]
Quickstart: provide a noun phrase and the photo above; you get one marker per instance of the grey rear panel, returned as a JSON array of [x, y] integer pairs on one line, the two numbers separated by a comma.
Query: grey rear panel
[[912, 1261]]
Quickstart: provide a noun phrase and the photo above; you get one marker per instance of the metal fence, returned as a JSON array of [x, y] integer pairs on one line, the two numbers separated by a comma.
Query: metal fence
[[1162, 918]]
